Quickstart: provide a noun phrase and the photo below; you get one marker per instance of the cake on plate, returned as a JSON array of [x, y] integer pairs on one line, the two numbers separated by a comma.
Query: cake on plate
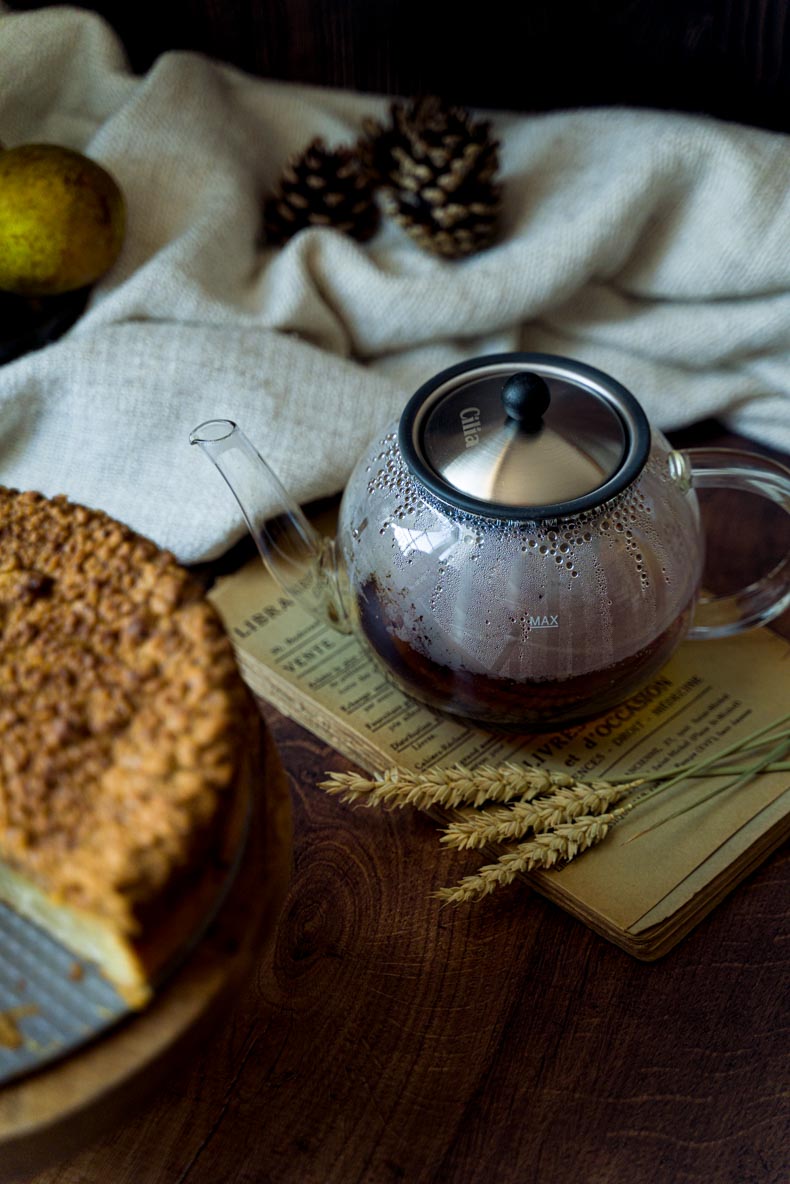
[[125, 732]]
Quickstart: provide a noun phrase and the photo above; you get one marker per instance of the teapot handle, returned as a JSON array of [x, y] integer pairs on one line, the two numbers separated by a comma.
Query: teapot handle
[[766, 598]]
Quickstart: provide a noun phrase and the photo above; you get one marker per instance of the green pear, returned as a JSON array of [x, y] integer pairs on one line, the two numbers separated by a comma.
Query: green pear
[[62, 220]]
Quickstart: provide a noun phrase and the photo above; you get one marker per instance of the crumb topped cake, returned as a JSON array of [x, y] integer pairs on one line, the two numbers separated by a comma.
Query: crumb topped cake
[[123, 725]]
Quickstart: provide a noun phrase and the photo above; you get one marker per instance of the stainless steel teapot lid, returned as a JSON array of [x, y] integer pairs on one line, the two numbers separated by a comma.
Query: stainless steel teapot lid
[[524, 436]]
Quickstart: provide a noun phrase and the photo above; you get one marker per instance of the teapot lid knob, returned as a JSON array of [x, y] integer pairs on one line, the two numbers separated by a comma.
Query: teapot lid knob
[[526, 398]]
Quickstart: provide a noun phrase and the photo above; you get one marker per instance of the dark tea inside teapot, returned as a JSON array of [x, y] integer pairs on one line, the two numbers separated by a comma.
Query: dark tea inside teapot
[[509, 701]]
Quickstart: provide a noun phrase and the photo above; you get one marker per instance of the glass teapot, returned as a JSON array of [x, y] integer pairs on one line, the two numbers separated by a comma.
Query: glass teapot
[[520, 549]]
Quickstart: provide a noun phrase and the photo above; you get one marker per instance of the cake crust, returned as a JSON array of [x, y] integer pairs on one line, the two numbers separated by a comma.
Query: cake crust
[[122, 715]]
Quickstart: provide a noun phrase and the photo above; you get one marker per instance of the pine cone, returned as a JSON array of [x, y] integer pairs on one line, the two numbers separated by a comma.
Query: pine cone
[[322, 187], [436, 167]]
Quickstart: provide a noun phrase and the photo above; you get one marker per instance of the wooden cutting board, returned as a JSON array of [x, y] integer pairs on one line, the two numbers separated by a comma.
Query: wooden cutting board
[[50, 1114]]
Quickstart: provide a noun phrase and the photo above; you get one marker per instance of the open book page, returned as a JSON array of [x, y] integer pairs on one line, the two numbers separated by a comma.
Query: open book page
[[709, 695]]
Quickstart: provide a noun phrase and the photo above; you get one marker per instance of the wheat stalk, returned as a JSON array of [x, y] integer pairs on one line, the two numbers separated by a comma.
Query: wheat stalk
[[546, 850], [743, 778], [503, 824], [458, 785], [450, 787]]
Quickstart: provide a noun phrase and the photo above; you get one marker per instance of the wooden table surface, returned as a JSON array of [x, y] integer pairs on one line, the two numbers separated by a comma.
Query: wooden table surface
[[382, 1039]]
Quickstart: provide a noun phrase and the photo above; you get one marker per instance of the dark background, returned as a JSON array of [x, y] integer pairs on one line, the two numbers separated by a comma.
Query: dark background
[[728, 58]]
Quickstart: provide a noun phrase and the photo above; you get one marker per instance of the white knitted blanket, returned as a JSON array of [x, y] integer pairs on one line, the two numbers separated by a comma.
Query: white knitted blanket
[[655, 246]]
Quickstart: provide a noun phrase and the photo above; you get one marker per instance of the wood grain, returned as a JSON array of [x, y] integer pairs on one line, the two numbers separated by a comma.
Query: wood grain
[[729, 58], [382, 1039]]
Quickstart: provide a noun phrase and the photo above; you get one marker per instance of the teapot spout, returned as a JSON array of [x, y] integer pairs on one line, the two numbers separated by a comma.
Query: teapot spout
[[303, 562]]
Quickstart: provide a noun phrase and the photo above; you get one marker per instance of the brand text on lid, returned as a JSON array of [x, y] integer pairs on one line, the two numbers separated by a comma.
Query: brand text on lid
[[470, 425]]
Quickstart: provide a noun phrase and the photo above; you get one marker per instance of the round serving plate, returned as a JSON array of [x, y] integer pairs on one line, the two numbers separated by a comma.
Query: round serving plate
[[55, 1110]]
